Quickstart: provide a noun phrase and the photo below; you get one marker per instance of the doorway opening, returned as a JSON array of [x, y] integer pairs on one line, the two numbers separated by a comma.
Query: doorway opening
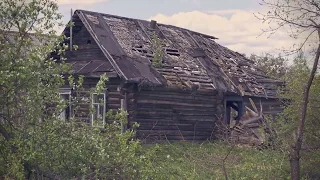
[[234, 110]]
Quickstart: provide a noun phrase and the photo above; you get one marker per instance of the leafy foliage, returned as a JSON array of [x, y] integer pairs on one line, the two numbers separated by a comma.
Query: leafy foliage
[[34, 141], [66, 150], [296, 79], [157, 51], [302, 17], [286, 123], [275, 67]]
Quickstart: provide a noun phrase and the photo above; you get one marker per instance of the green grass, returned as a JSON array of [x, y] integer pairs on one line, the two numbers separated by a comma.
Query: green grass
[[204, 161]]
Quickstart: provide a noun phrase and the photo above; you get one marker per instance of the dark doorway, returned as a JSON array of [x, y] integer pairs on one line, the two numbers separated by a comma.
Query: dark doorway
[[234, 109]]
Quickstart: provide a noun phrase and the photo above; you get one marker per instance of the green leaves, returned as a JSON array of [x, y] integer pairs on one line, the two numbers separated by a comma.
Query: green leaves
[[296, 78], [275, 67], [33, 138], [71, 151], [157, 51], [101, 85]]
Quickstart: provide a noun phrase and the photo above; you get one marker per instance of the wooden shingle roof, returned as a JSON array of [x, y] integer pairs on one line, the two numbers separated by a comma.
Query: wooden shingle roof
[[190, 58]]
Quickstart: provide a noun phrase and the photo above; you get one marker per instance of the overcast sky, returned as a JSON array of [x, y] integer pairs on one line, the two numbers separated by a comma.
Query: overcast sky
[[232, 21]]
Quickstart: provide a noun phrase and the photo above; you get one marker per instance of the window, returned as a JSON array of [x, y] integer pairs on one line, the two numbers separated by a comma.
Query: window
[[99, 108], [65, 95]]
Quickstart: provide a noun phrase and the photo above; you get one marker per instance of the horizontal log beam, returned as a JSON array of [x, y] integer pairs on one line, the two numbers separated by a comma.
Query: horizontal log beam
[[173, 103]]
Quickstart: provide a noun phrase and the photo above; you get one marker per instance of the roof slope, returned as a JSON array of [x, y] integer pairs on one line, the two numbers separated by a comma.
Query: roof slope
[[191, 59]]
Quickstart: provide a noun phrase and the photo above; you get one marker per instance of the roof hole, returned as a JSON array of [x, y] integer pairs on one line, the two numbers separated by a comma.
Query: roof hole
[[89, 41], [173, 52]]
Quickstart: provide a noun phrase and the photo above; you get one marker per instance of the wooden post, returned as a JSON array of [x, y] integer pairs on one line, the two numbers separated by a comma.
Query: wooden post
[[71, 31]]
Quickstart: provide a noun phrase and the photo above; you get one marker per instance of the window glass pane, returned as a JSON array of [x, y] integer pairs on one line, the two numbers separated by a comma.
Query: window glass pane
[[95, 113], [65, 113], [101, 111], [101, 98], [95, 98]]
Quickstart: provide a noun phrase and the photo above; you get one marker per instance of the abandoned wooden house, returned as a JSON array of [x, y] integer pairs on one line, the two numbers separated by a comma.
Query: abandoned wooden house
[[196, 84]]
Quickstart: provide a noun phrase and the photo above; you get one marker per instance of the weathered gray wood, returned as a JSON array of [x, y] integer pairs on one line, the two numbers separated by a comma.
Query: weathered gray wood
[[251, 120], [176, 114], [172, 103]]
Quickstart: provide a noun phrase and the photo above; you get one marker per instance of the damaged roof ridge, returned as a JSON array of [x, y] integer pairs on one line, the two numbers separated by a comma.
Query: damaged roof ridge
[[159, 24]]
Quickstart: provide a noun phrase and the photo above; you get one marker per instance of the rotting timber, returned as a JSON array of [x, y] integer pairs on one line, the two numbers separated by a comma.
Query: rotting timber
[[185, 97]]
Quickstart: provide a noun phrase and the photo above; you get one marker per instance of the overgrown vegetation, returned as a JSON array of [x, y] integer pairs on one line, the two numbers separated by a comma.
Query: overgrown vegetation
[[275, 67], [295, 83], [157, 51], [34, 141], [295, 77], [65, 150], [302, 17], [203, 161]]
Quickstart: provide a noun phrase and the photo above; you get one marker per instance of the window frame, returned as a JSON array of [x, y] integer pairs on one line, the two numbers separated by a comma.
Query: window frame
[[98, 109], [66, 91]]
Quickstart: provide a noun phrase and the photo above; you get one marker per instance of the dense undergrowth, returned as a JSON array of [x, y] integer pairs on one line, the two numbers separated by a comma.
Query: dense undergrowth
[[204, 161]]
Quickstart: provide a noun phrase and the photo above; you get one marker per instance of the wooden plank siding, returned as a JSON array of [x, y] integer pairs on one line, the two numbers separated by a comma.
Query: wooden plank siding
[[174, 115], [88, 49]]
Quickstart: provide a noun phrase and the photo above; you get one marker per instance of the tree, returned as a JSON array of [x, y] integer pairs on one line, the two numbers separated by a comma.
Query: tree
[[28, 78], [287, 122], [33, 139], [24, 66], [303, 18], [275, 67]]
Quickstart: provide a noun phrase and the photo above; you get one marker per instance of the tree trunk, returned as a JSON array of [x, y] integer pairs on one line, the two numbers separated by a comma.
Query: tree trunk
[[296, 147], [295, 163]]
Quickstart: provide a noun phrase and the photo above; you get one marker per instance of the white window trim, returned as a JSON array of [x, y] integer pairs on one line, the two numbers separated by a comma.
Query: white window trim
[[66, 91], [99, 104]]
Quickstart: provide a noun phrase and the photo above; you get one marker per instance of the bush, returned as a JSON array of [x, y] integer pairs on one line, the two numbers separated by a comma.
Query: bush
[[65, 150]]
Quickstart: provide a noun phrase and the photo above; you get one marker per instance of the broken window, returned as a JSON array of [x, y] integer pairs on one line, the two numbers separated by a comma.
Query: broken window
[[99, 109]]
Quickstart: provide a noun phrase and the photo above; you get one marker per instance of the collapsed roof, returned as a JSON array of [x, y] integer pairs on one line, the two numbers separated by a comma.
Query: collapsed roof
[[190, 58]]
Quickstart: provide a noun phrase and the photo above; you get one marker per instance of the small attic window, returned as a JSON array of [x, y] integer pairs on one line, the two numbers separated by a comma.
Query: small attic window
[[89, 41]]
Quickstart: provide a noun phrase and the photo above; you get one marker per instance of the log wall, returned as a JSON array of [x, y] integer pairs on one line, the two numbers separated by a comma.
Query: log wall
[[171, 114], [270, 106]]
